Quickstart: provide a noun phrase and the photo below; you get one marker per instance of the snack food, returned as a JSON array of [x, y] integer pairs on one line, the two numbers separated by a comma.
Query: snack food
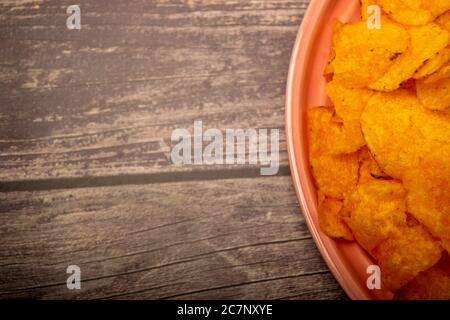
[[400, 132], [434, 95], [362, 55], [380, 156], [425, 42], [414, 12]]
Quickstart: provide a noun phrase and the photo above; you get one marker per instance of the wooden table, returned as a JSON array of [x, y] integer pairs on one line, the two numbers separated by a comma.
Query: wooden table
[[85, 120]]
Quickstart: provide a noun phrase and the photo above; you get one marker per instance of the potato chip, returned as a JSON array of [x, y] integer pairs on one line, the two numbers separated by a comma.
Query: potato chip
[[348, 103], [368, 167], [328, 136], [428, 199], [433, 64], [335, 175], [414, 12], [404, 255], [446, 244], [363, 55], [434, 95], [444, 21], [400, 132], [437, 7], [442, 73], [432, 284], [330, 220], [380, 156], [329, 69], [377, 211], [426, 41]]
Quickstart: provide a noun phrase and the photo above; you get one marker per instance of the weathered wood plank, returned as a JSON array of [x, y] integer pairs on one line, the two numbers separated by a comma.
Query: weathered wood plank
[[134, 141], [304, 286], [101, 100], [218, 239]]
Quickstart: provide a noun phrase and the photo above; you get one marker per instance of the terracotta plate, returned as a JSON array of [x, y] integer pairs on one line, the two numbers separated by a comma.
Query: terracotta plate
[[305, 89]]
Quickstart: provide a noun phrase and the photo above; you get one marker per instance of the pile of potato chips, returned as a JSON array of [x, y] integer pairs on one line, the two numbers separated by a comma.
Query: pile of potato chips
[[381, 156]]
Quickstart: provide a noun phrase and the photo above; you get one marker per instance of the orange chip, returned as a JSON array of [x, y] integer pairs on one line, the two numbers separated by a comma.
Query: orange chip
[[405, 254], [426, 41], [369, 168], [380, 156], [442, 73], [364, 5], [349, 103], [434, 95], [428, 199], [444, 21], [329, 69], [363, 55], [433, 64], [330, 220], [414, 12], [328, 136], [400, 132], [377, 211], [437, 7], [446, 244], [335, 175], [432, 284]]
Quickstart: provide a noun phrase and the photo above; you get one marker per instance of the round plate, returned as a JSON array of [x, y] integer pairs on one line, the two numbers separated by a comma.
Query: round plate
[[305, 89]]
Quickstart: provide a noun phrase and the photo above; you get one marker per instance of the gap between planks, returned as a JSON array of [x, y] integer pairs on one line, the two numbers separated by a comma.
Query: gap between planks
[[135, 179]]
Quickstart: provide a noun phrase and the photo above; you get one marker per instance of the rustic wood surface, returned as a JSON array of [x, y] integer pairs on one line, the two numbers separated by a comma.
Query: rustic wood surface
[[85, 121]]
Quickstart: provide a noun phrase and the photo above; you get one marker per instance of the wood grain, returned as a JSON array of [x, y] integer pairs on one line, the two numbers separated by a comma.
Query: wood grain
[[103, 99], [215, 239], [85, 124]]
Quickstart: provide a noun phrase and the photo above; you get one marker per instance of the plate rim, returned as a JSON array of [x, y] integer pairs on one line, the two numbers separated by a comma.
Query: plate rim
[[304, 38]]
